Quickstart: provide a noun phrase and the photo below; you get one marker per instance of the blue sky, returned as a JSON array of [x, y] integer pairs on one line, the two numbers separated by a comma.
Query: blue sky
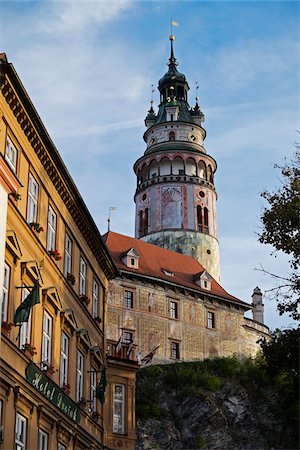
[[88, 68]]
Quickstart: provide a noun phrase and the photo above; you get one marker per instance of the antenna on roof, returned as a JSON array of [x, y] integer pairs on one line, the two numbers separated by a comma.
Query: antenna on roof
[[111, 208]]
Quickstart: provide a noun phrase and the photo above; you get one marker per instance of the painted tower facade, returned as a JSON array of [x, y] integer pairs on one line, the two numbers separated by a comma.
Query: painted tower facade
[[175, 195]]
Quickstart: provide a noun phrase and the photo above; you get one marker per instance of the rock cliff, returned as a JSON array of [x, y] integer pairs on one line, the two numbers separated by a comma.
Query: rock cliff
[[221, 405]]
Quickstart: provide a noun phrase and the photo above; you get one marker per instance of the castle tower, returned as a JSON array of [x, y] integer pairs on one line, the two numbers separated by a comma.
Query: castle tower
[[175, 195]]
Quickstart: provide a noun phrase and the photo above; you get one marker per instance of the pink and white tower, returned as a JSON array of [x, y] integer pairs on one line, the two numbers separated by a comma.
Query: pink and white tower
[[175, 195]]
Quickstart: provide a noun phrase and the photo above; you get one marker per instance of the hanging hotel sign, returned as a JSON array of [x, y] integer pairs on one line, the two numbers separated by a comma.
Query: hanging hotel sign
[[52, 392]]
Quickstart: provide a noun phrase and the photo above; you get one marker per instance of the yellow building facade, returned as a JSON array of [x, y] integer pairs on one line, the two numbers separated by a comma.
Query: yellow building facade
[[52, 365]]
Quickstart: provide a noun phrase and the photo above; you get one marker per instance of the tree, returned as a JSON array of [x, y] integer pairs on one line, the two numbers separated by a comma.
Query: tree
[[281, 229]]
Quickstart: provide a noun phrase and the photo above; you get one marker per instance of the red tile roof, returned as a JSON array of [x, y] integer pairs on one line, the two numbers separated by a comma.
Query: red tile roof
[[154, 259]]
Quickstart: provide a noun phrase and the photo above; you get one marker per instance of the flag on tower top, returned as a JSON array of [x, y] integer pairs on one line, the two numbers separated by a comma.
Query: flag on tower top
[[174, 23]]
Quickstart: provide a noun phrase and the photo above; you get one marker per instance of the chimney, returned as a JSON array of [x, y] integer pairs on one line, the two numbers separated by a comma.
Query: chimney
[[258, 306]]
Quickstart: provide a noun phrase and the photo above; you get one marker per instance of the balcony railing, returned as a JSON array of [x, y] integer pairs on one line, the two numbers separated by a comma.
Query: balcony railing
[[124, 353]]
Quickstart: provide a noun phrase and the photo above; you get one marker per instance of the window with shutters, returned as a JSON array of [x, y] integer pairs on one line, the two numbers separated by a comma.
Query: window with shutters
[[47, 337], [20, 437], [51, 236], [32, 199], [79, 376], [5, 293], [11, 154], [82, 277], [64, 359]]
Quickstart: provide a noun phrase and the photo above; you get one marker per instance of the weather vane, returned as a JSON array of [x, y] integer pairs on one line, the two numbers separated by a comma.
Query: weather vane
[[173, 24]]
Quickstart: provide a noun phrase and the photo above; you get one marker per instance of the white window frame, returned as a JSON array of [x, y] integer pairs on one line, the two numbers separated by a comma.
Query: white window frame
[[43, 440], [51, 230], [128, 299], [25, 328], [47, 338], [20, 432], [175, 350], [68, 255], [32, 199], [211, 320], [5, 293], [173, 309], [82, 276], [119, 422], [93, 389], [95, 311], [64, 359], [127, 337], [11, 154], [79, 376]]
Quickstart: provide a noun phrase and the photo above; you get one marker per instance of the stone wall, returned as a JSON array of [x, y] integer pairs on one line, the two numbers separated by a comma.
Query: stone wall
[[150, 322]]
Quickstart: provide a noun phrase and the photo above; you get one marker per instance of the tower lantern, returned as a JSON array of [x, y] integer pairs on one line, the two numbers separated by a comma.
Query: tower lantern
[[175, 196]]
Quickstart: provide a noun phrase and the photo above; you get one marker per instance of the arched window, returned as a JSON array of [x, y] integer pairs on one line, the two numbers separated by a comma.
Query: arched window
[[202, 170], [165, 166], [144, 172], [153, 169], [210, 175], [206, 229], [199, 219], [143, 222], [190, 167], [172, 136], [178, 166]]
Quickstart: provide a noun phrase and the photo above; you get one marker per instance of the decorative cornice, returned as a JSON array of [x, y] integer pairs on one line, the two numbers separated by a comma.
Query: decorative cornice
[[20, 104]]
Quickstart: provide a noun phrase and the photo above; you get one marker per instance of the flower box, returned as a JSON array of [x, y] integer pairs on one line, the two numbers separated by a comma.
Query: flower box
[[48, 368], [95, 416], [82, 402], [71, 278], [29, 349], [55, 255], [6, 327], [66, 388], [84, 299], [15, 196], [36, 227]]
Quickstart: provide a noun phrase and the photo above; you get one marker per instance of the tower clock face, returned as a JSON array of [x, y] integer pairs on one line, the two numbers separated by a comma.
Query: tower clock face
[[192, 137]]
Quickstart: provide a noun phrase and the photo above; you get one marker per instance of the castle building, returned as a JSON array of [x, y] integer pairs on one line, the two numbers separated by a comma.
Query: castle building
[[168, 294], [175, 195], [57, 367]]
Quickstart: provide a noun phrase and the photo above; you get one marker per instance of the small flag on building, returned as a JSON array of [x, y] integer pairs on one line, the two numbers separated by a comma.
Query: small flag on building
[[129, 350], [174, 23], [23, 311], [148, 358], [119, 348], [100, 390]]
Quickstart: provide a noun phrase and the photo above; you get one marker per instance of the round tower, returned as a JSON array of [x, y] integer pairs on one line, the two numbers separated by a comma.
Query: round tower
[[175, 195]]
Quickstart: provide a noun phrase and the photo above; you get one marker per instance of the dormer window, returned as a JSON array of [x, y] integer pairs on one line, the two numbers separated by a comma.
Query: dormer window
[[168, 273], [131, 259], [203, 280]]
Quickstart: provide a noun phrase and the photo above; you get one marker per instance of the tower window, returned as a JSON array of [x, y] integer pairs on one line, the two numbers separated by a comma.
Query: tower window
[[144, 222], [206, 229], [199, 219], [172, 133], [128, 299]]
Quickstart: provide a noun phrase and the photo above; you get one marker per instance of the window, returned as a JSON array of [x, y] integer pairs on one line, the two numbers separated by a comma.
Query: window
[[47, 336], [5, 293], [11, 155], [51, 229], [118, 413], [95, 299], [175, 350], [127, 337], [64, 359], [174, 310], [43, 440], [20, 432], [33, 191], [82, 277], [144, 222], [93, 389], [210, 319], [128, 299], [79, 376], [206, 229], [68, 255], [172, 133], [25, 328]]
